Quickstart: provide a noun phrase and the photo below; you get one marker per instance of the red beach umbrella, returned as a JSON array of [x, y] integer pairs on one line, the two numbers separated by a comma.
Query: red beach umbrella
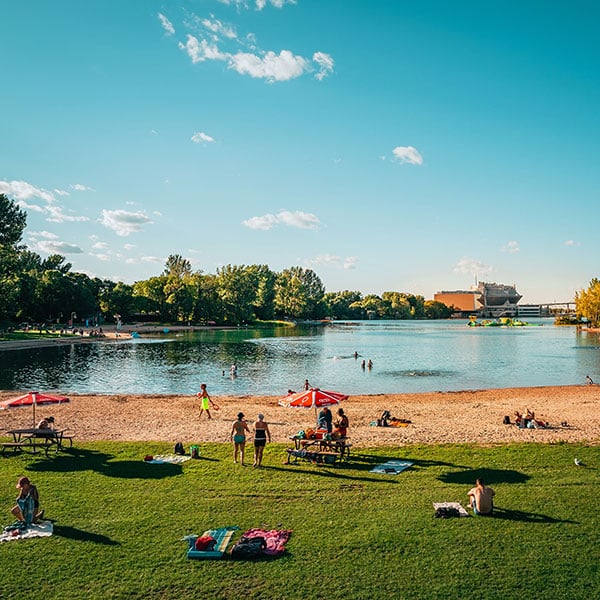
[[313, 398], [33, 399]]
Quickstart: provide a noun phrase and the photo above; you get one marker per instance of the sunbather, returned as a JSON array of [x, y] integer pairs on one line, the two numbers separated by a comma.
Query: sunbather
[[27, 509], [481, 498]]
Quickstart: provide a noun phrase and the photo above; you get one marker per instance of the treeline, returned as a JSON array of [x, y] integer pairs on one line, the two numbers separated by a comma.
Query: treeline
[[39, 290]]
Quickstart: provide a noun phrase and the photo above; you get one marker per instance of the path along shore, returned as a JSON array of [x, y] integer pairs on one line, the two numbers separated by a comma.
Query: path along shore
[[473, 416]]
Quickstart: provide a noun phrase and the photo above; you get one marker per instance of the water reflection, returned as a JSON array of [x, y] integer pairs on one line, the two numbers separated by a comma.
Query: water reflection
[[407, 357]]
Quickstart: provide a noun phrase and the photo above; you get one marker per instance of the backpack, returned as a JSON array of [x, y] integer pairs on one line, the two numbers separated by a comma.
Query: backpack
[[445, 512], [249, 547], [179, 449]]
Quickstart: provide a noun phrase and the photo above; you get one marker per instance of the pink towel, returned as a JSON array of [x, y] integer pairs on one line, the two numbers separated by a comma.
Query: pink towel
[[275, 538]]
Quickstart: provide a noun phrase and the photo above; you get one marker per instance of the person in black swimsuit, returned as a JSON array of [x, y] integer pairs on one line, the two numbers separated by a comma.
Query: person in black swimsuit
[[261, 434]]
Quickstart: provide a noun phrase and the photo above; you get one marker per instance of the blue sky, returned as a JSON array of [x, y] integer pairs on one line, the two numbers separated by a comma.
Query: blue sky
[[388, 145]]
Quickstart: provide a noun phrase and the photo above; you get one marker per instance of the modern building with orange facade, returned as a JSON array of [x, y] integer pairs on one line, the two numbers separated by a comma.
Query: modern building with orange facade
[[460, 299]]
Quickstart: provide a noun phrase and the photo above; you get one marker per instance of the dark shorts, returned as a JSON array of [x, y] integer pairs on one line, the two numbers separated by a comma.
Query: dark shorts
[[260, 443]]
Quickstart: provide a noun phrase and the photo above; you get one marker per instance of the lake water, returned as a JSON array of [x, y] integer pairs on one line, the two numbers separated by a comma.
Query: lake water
[[408, 356]]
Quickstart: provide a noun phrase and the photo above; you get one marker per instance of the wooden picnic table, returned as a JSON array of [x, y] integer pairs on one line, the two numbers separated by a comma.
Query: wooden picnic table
[[30, 439], [319, 450]]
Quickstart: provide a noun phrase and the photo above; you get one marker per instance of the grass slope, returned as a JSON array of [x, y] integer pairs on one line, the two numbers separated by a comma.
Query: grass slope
[[119, 524]]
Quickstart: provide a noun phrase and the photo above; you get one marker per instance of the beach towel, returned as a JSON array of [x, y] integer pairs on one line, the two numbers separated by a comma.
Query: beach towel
[[222, 536], [391, 467], [451, 505], [43, 529], [275, 539], [163, 459]]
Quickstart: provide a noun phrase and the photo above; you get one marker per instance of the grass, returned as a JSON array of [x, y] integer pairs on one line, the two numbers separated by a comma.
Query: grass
[[119, 525]]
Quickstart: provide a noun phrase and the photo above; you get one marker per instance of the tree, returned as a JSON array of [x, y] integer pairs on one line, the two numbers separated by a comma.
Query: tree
[[587, 303], [177, 266], [236, 286], [437, 310], [299, 294], [339, 304], [12, 223]]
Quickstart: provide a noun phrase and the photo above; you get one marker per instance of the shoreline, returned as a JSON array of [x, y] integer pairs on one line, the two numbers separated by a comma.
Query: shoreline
[[469, 416]]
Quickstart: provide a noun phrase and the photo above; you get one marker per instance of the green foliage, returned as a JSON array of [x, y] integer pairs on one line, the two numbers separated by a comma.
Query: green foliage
[[119, 524], [587, 303]]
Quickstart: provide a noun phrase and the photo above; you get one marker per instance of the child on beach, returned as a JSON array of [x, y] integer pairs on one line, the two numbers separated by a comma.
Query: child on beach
[[205, 401]]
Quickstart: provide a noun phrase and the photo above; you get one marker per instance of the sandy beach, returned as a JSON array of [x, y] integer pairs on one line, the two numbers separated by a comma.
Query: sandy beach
[[440, 417]]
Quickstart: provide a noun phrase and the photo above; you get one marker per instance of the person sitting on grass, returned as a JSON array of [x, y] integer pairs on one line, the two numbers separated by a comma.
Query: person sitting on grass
[[481, 498], [27, 509]]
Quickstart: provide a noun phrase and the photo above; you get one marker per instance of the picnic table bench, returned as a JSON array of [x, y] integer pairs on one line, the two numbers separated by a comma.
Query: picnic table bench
[[313, 456], [32, 439]]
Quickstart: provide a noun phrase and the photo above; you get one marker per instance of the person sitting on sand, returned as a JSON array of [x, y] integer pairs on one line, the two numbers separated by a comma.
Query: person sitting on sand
[[481, 498], [238, 436], [27, 508], [519, 419], [386, 416]]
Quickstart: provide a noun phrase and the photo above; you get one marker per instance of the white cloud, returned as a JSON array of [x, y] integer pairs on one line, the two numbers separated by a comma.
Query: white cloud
[[43, 234], [511, 247], [272, 67], [123, 222], [79, 187], [201, 50], [471, 266], [407, 154], [332, 260], [100, 256], [60, 192], [325, 63], [56, 215], [259, 4], [166, 24], [298, 219], [128, 247], [100, 246], [153, 259], [21, 190], [572, 243], [200, 136], [53, 247], [218, 28]]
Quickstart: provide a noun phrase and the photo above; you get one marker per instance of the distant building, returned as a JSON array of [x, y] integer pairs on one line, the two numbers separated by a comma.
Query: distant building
[[462, 300], [487, 300]]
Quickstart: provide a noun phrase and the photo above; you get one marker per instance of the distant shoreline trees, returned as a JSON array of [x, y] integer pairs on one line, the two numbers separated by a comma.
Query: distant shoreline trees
[[44, 291]]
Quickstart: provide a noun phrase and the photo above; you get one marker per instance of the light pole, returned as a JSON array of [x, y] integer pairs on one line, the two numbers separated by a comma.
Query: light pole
[[73, 317]]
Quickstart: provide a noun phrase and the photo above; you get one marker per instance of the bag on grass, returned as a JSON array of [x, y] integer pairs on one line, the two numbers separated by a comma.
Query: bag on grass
[[446, 512], [506, 420], [249, 547], [205, 543], [179, 449]]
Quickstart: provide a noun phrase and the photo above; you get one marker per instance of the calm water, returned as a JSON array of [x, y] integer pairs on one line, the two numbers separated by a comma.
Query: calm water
[[407, 356]]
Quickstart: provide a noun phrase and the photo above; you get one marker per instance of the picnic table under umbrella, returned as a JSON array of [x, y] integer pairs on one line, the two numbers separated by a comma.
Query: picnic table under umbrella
[[33, 399]]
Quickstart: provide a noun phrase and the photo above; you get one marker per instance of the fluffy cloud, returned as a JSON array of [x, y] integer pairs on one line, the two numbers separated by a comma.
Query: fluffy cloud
[[21, 190], [325, 63], [272, 67], [219, 28], [511, 247], [572, 243], [201, 50], [123, 222], [259, 4], [166, 24], [407, 154], [298, 219], [332, 260], [79, 187], [43, 234], [153, 259], [56, 215], [54, 247], [200, 136], [471, 266]]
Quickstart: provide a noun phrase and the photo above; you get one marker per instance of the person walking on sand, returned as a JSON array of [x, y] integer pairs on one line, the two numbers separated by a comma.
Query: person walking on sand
[[481, 498], [238, 436], [261, 434], [205, 401]]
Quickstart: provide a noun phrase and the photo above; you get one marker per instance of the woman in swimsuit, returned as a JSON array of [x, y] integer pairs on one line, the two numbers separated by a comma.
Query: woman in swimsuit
[[238, 436], [261, 433]]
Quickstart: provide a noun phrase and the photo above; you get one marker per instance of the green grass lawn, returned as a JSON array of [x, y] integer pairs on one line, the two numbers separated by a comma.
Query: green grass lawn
[[119, 525]]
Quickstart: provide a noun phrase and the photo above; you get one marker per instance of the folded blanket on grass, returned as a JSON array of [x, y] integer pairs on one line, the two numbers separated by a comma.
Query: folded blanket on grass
[[391, 467], [457, 506], [43, 529], [222, 537], [275, 539], [163, 459]]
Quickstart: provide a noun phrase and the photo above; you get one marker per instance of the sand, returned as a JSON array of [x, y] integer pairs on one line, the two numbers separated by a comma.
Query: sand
[[441, 417]]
